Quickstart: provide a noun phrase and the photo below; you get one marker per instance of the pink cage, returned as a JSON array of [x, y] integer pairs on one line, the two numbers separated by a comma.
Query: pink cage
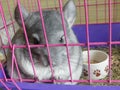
[[97, 25]]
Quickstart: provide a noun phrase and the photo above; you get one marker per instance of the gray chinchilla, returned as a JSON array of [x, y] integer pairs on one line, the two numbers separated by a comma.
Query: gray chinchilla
[[55, 35]]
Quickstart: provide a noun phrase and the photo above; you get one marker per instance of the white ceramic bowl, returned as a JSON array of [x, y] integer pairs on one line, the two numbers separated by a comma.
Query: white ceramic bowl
[[99, 66]]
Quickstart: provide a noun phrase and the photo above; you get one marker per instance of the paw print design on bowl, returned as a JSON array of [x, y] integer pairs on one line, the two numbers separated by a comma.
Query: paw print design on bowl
[[97, 73], [107, 69], [85, 72]]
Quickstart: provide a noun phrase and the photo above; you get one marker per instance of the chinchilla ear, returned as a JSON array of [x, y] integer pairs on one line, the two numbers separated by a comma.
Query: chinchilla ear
[[70, 12], [17, 14]]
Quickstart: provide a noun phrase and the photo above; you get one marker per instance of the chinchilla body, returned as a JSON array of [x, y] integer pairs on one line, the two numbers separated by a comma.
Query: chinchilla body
[[55, 35], [3, 35]]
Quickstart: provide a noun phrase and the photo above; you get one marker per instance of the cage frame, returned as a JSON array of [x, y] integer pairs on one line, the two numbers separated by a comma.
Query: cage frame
[[17, 85]]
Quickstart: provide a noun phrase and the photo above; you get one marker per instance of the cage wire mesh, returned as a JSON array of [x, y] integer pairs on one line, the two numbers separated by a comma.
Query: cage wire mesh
[[96, 28]]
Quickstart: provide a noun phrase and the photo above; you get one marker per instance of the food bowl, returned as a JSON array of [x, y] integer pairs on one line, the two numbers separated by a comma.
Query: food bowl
[[99, 64]]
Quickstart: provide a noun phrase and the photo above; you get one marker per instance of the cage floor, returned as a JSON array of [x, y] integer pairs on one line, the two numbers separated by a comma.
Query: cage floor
[[115, 64]]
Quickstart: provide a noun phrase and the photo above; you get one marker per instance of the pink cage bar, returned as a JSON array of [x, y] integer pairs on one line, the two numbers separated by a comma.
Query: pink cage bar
[[84, 28]]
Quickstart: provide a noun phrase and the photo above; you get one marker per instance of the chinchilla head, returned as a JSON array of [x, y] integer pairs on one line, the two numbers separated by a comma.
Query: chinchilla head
[[54, 30]]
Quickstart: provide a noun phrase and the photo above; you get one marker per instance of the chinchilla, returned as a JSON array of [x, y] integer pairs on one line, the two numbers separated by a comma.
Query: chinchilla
[[3, 35], [55, 35]]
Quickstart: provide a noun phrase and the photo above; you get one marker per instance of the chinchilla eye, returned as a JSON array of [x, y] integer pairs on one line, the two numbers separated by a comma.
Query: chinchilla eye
[[35, 41], [62, 39]]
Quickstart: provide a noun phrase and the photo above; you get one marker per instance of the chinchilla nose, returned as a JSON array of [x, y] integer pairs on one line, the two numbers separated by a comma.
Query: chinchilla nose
[[50, 61]]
